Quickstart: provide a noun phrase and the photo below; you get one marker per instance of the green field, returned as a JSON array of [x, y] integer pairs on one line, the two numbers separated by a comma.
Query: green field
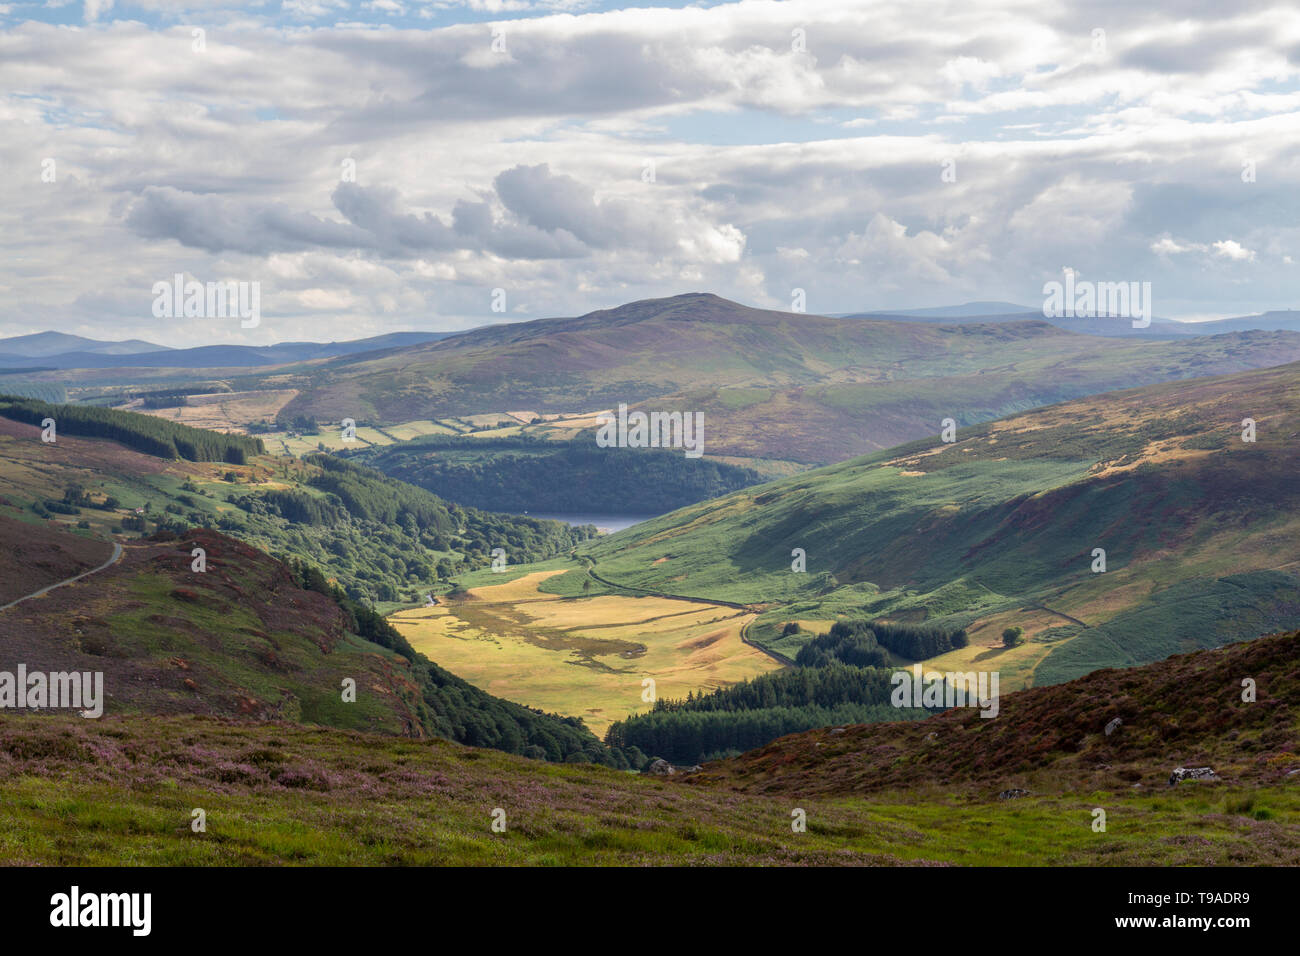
[[583, 656]]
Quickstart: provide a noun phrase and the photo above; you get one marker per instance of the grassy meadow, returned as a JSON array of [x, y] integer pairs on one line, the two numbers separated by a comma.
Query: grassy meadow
[[123, 791], [582, 656]]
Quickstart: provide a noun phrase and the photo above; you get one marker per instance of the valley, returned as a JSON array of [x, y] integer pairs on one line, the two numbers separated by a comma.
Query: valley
[[765, 603], [994, 530], [585, 656], [632, 440]]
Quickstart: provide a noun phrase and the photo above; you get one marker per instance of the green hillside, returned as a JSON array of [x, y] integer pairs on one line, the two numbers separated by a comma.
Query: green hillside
[[152, 436], [524, 473], [1200, 529], [1188, 710], [252, 638], [381, 539]]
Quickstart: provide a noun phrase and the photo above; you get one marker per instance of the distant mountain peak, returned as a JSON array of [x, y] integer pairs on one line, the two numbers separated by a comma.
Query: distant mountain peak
[[41, 344]]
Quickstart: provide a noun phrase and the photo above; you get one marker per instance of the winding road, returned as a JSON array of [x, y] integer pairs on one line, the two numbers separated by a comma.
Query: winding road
[[117, 554]]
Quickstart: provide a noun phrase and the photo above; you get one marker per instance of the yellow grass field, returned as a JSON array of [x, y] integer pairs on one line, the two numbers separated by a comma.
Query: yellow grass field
[[1015, 665], [222, 411], [408, 430], [234, 411], [583, 657]]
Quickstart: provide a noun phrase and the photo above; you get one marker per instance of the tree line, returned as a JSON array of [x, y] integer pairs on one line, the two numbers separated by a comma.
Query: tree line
[[525, 473], [841, 677], [368, 495], [755, 712], [864, 645], [694, 737], [382, 538], [146, 434]]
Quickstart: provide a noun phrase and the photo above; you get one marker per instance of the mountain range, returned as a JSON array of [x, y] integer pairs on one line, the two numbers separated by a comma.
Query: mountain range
[[1283, 320], [771, 385], [54, 350]]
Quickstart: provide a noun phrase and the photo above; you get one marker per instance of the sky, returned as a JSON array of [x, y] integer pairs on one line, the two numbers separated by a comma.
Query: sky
[[379, 165]]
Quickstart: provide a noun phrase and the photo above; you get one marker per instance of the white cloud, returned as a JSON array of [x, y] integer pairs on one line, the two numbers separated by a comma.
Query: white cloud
[[1075, 209], [325, 300], [313, 8], [887, 254], [969, 71], [94, 9], [1223, 248], [775, 168], [1231, 249]]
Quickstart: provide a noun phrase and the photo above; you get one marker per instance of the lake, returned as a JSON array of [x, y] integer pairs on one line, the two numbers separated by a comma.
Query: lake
[[610, 523]]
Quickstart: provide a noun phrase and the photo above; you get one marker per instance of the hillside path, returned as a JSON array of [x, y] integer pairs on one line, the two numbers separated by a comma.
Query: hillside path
[[117, 554]]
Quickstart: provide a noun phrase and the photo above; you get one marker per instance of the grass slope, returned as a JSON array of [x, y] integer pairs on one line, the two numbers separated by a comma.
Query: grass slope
[[381, 539], [999, 528], [251, 637], [122, 790], [241, 639], [1186, 711]]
